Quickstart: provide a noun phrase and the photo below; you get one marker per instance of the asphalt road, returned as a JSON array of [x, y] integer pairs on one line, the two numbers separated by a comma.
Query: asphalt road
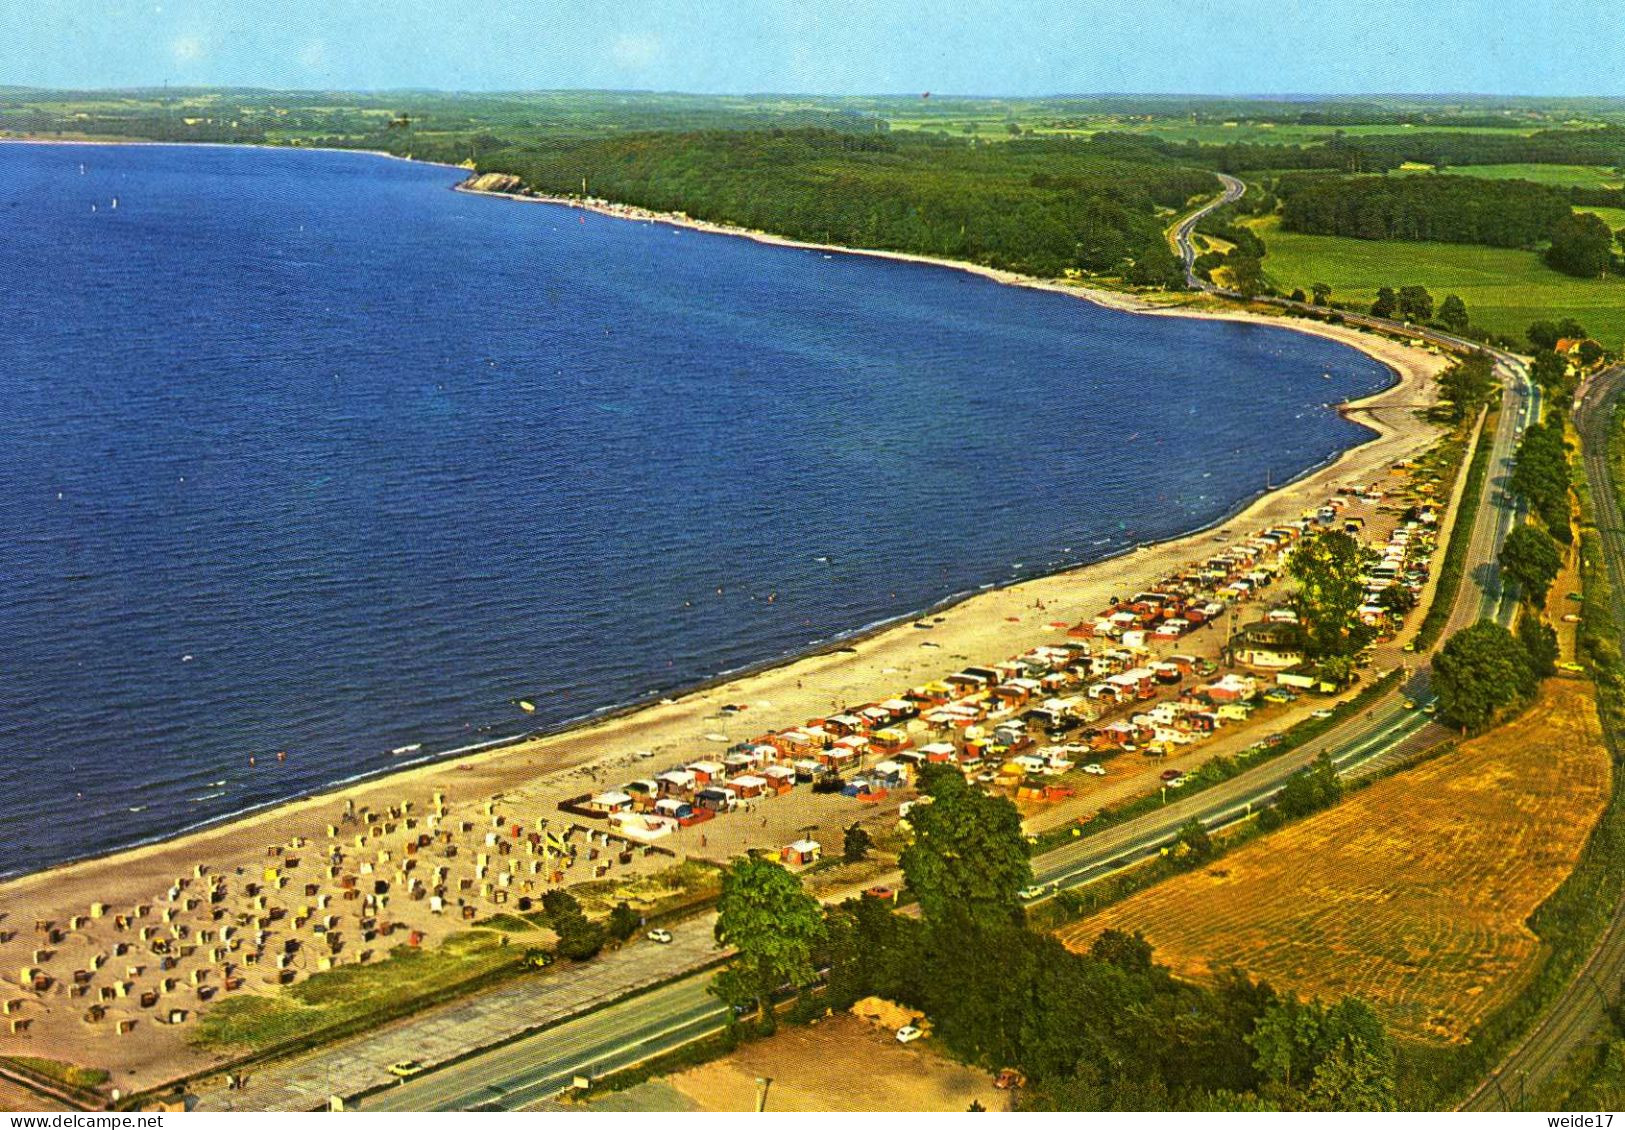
[[1233, 189], [529, 1072], [1578, 1012]]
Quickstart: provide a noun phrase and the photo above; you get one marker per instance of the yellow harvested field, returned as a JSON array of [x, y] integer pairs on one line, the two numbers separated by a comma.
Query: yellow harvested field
[[1413, 892]]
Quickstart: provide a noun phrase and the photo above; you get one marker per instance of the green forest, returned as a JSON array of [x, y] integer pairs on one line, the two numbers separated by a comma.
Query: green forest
[[1603, 145], [1041, 207], [1450, 209]]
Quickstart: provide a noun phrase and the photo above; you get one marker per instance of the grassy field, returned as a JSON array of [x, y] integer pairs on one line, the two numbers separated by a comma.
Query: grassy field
[[1587, 176], [1504, 290], [1613, 217], [1413, 893], [993, 125], [353, 993], [682, 884]]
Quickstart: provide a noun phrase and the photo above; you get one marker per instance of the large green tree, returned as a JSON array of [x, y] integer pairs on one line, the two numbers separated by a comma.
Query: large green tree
[[1480, 671], [1245, 273], [1328, 570], [1415, 303], [1453, 313], [968, 859], [774, 924], [1319, 1058], [1582, 245], [1549, 369], [1467, 383], [1543, 335], [1531, 558]]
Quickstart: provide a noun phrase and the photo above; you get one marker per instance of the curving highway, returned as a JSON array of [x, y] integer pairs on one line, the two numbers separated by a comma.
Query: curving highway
[[1233, 190]]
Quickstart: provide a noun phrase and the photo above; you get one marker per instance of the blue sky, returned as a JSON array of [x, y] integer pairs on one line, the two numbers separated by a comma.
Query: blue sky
[[1009, 47]]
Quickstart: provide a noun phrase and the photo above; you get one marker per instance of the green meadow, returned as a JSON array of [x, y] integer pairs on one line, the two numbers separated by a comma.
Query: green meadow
[[1504, 290], [1583, 176]]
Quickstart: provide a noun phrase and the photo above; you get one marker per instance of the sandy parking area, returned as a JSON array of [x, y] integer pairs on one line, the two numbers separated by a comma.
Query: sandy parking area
[[840, 1063]]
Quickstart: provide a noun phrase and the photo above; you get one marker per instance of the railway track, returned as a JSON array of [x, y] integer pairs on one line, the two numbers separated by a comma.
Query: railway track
[[1581, 1008]]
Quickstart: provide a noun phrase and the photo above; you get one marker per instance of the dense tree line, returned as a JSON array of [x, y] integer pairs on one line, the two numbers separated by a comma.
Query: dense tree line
[[1438, 148], [1509, 213], [1541, 474], [1530, 557], [1039, 206], [1109, 1029]]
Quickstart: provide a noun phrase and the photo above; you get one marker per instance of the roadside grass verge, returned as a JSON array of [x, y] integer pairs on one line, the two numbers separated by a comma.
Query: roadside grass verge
[[70, 1076], [351, 998], [680, 887], [1454, 566]]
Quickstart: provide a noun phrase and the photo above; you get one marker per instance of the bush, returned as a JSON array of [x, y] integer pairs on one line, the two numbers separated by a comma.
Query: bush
[[623, 921]]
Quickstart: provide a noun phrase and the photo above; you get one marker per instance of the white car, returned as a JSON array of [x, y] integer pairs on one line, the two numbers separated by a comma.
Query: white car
[[1094, 769], [660, 935], [907, 1034]]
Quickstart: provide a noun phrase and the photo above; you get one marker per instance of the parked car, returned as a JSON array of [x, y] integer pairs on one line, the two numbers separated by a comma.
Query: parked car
[[1095, 769], [406, 1068], [1171, 775], [661, 935], [908, 1033]]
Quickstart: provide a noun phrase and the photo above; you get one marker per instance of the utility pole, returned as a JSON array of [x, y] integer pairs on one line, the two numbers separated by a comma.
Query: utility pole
[[763, 1082]]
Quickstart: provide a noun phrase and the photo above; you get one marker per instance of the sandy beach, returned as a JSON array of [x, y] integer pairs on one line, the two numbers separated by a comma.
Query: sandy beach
[[517, 787]]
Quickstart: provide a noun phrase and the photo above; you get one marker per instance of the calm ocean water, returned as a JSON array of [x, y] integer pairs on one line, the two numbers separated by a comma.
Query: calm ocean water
[[304, 452]]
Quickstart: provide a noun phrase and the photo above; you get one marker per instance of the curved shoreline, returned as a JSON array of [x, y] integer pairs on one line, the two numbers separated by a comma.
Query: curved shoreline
[[838, 644], [686, 700]]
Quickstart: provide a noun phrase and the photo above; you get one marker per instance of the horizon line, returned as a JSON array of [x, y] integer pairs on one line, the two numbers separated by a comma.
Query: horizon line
[[1279, 96]]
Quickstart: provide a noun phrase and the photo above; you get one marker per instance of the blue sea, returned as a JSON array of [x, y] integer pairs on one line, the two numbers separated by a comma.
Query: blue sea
[[304, 451]]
